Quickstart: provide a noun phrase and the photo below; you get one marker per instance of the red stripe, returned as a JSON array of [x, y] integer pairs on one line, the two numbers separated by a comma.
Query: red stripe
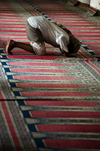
[[75, 22], [87, 38], [12, 24], [61, 103], [84, 144], [75, 1], [26, 52], [90, 29], [81, 26], [93, 9], [55, 94], [43, 77], [88, 32], [93, 66], [8, 22], [60, 15], [64, 114], [69, 128], [7, 11], [83, 55], [36, 64], [11, 31], [1, 96], [14, 18], [48, 85], [11, 127], [38, 70], [54, 11], [12, 27], [2, 7], [98, 53], [32, 57], [7, 15], [87, 35], [18, 51], [12, 34], [14, 38], [69, 18], [93, 43], [95, 48]]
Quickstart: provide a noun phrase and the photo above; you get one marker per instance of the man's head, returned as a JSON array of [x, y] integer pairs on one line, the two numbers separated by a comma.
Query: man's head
[[74, 44], [73, 47], [70, 47]]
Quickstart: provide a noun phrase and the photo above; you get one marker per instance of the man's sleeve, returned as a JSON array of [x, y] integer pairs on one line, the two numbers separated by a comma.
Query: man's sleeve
[[63, 42]]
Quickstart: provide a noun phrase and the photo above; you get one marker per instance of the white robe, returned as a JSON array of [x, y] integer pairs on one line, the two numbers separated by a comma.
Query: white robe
[[52, 34]]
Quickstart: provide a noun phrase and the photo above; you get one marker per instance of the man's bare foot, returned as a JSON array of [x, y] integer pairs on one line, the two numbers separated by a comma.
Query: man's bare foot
[[9, 46]]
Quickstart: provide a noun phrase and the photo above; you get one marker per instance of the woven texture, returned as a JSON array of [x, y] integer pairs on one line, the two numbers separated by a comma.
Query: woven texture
[[49, 103]]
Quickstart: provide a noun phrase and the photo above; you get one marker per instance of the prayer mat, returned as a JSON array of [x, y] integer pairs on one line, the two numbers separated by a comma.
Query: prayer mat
[[50, 125], [91, 12], [72, 2], [49, 103], [75, 79]]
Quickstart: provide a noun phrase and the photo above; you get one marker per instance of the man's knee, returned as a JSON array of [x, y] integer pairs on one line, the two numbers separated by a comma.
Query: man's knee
[[39, 48], [40, 53]]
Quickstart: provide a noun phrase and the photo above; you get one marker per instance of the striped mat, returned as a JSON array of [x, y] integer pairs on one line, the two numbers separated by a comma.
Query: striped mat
[[34, 77], [49, 103]]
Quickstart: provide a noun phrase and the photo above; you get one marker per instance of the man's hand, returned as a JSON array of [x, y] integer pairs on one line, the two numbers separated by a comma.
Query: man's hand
[[66, 54]]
